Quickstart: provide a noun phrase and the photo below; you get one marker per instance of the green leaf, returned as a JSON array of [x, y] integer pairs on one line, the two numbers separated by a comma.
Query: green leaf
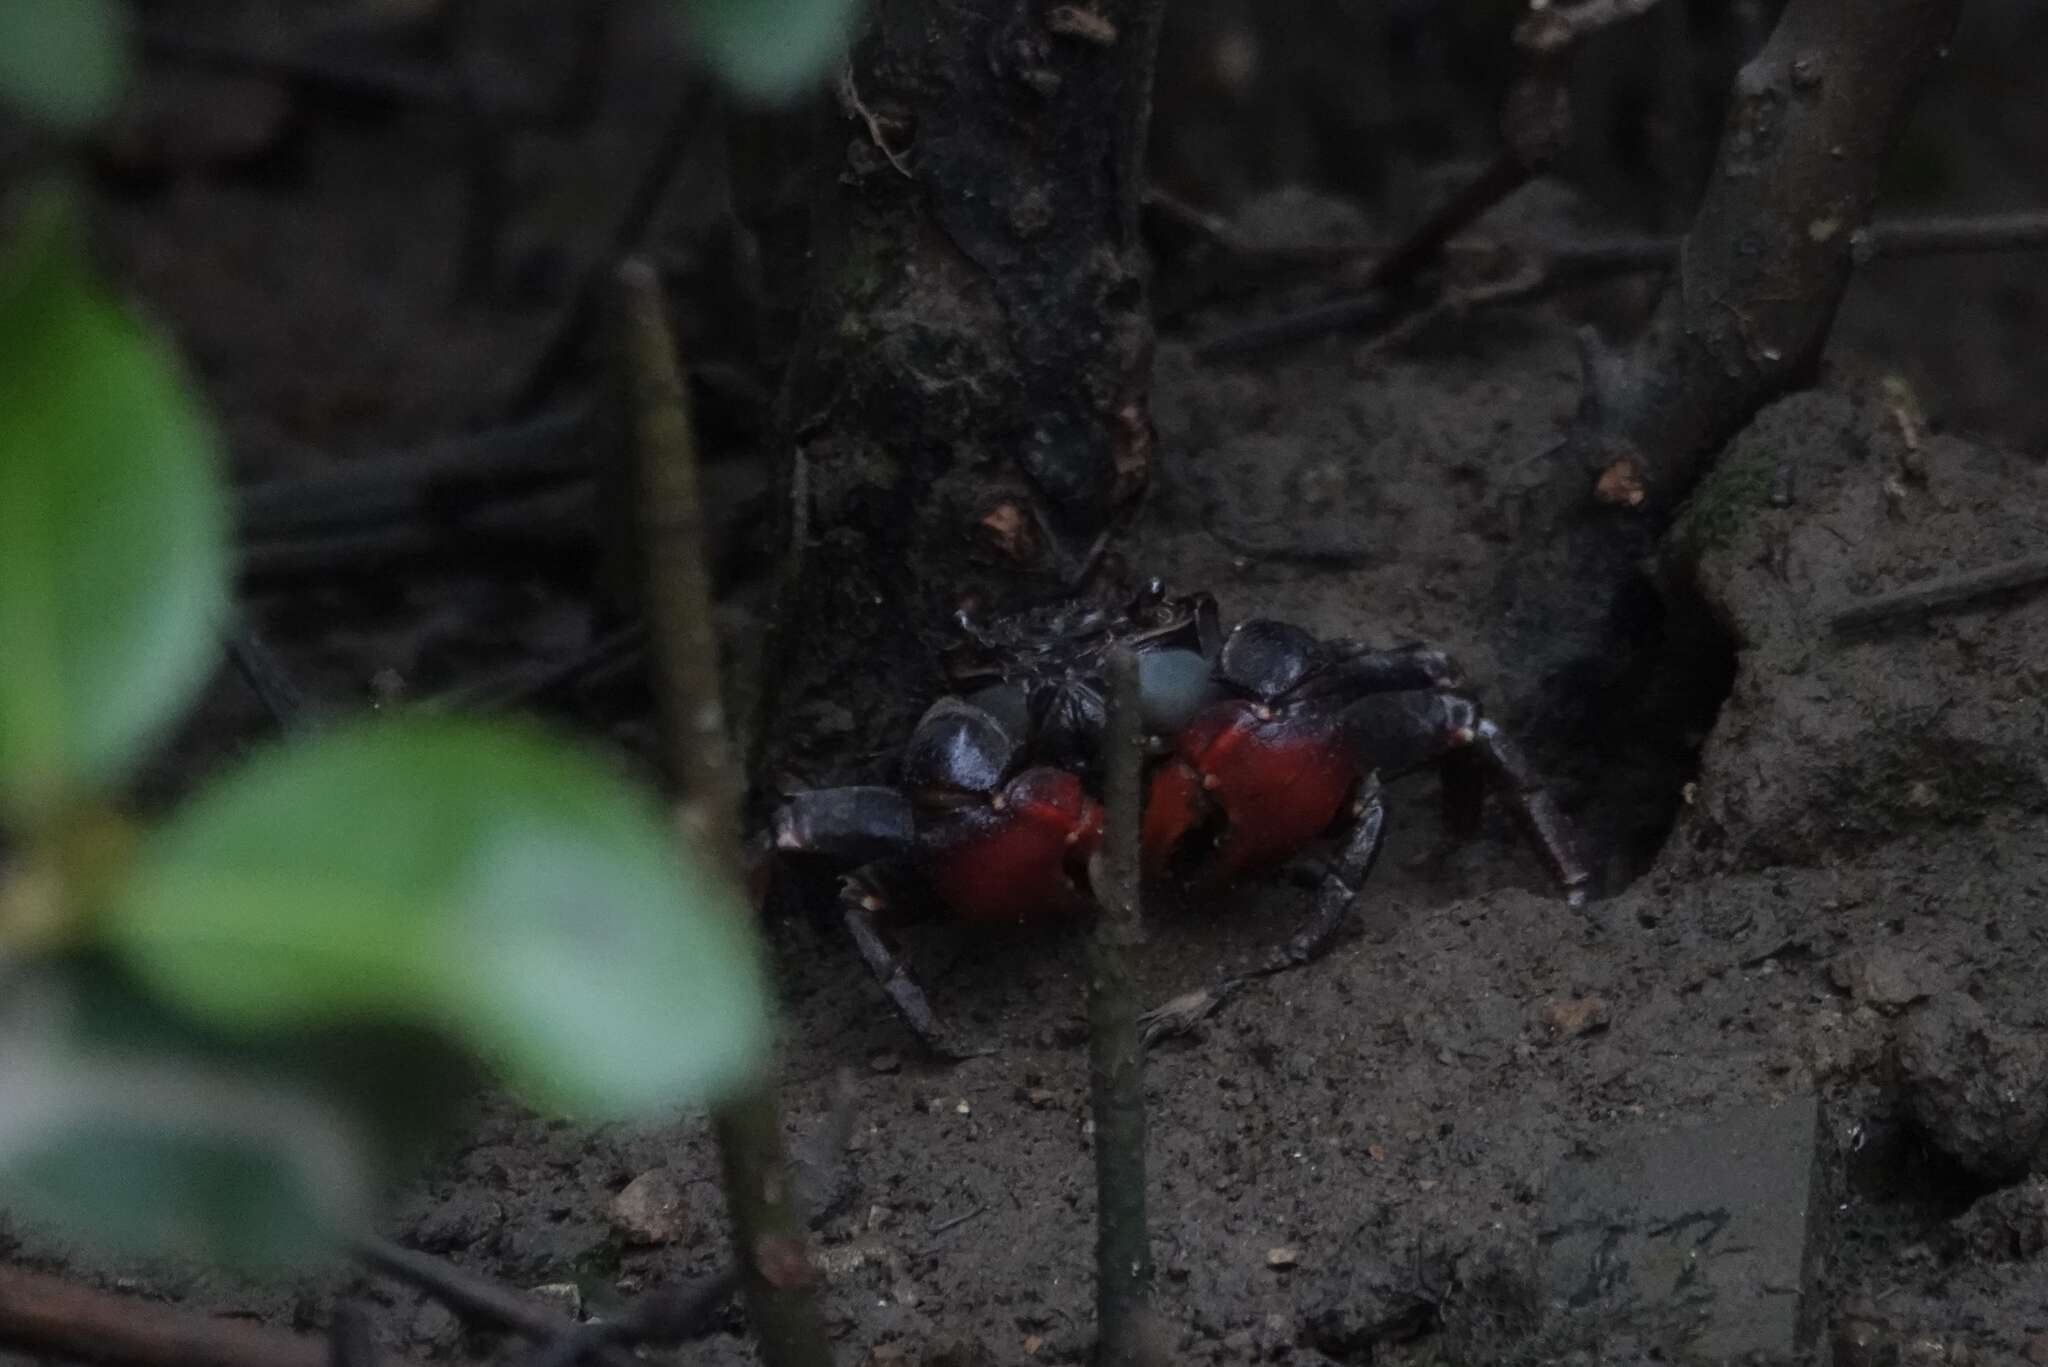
[[476, 878], [63, 61], [771, 49], [113, 582], [124, 1125]]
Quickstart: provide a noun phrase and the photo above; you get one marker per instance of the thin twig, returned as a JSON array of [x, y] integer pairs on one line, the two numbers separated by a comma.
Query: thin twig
[[407, 84], [684, 1312], [350, 1340], [531, 682], [266, 677], [1563, 261], [665, 1317], [1536, 126], [1887, 240], [979, 1209], [54, 1319], [1950, 593], [469, 1295], [521, 537], [559, 352], [1501, 178], [1123, 1249], [487, 184], [427, 484], [850, 100], [1959, 236], [767, 1224]]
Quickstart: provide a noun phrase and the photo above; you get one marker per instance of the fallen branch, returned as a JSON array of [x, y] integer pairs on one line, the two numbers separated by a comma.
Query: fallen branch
[[1123, 1247], [520, 537], [426, 485], [1949, 593], [663, 1318], [52, 1318], [768, 1226], [470, 1296]]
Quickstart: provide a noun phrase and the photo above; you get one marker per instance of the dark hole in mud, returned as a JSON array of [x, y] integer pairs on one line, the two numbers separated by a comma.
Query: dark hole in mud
[[1626, 750], [1902, 1187]]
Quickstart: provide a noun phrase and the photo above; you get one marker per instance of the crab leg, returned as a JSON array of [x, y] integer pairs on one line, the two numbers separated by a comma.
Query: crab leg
[[1399, 732], [861, 902], [1341, 888], [1356, 668], [1534, 808]]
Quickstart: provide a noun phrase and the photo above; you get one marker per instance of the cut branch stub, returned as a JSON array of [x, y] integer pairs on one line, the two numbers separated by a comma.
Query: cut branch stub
[[1771, 250], [1743, 320]]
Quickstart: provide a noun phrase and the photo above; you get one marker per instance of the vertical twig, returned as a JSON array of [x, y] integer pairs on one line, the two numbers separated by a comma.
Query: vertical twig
[[266, 677], [1123, 1251], [768, 1226], [487, 190], [351, 1342], [557, 355]]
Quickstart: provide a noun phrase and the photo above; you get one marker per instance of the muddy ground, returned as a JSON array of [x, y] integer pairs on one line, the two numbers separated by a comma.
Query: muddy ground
[[1833, 882]]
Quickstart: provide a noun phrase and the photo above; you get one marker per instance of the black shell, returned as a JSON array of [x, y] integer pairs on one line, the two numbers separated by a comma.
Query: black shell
[[960, 747], [1267, 659]]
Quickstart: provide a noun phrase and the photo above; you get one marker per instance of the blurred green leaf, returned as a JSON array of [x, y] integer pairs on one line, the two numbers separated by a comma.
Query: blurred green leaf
[[124, 1126], [771, 49], [113, 580], [63, 61], [480, 879]]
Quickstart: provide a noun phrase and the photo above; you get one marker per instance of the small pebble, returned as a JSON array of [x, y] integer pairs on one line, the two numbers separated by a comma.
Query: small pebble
[[649, 1210], [1578, 1016], [1283, 1257], [885, 1062]]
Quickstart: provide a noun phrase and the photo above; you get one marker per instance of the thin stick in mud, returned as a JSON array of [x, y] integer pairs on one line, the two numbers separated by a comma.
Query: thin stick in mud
[[1123, 1249], [768, 1227]]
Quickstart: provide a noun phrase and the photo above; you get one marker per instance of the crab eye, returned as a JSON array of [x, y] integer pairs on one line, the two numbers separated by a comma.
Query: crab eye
[[1173, 687], [1008, 704], [958, 746]]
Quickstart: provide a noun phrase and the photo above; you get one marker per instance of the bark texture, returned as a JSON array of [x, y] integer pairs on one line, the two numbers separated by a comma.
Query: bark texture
[[968, 401], [1744, 319]]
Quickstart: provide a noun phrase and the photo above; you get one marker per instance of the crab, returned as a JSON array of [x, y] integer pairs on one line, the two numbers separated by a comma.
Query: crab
[[1262, 740]]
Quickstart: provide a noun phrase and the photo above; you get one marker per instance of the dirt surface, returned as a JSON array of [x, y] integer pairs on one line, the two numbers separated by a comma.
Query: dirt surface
[[1836, 883]]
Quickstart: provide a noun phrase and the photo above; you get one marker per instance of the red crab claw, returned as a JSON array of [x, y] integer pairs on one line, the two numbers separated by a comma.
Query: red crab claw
[[1021, 856], [1261, 782]]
